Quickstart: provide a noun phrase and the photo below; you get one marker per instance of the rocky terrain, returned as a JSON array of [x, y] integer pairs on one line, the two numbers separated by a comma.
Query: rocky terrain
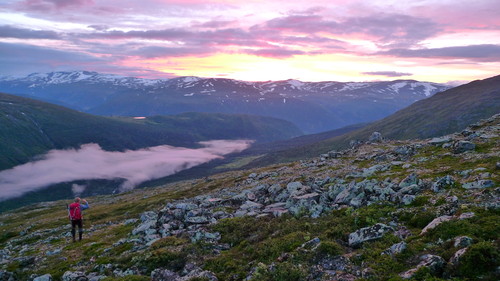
[[380, 210]]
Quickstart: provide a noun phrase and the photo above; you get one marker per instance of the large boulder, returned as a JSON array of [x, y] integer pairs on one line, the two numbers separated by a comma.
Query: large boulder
[[375, 137], [435, 222], [368, 233]]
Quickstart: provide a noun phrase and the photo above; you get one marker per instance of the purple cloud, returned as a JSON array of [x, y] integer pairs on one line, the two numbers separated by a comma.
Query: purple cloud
[[387, 29], [387, 73], [48, 5], [485, 52], [275, 52], [7, 31], [157, 51]]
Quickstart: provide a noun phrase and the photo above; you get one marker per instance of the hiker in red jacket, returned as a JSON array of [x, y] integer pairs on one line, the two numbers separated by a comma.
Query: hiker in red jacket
[[76, 216]]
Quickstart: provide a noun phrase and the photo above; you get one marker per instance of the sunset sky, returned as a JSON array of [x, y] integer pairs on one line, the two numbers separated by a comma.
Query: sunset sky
[[439, 41]]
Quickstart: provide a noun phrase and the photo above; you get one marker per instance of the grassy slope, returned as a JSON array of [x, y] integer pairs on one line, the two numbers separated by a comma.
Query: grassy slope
[[32, 127], [444, 113], [256, 240]]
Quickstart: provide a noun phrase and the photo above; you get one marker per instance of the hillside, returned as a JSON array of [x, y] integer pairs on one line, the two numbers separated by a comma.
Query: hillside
[[391, 210], [444, 113], [313, 106], [31, 127]]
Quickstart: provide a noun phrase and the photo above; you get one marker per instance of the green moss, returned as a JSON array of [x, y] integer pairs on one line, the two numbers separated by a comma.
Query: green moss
[[329, 248], [480, 259], [165, 259], [420, 201], [282, 272], [417, 219], [169, 241]]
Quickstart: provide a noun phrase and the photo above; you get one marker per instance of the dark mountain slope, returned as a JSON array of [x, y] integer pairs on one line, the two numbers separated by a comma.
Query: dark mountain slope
[[444, 113], [30, 127]]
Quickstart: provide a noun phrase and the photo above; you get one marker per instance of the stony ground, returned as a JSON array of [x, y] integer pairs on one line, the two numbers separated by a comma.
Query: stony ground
[[419, 210]]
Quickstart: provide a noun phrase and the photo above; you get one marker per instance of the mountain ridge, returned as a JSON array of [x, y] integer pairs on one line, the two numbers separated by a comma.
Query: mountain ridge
[[312, 106]]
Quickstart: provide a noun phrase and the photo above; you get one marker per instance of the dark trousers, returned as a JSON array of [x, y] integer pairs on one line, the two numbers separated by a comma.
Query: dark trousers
[[78, 223]]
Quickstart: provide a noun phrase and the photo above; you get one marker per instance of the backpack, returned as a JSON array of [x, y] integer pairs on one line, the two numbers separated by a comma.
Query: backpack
[[75, 212]]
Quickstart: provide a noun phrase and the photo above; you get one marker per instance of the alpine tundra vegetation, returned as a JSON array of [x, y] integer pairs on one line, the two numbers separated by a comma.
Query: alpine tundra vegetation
[[380, 210]]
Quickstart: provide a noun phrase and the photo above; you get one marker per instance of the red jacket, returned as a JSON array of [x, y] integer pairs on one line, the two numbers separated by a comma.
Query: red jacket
[[75, 210]]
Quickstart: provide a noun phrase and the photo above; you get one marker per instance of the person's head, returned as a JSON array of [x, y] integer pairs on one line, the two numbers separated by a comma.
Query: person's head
[[77, 199]]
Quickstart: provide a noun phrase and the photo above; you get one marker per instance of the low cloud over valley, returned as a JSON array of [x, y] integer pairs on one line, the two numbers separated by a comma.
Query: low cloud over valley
[[91, 162]]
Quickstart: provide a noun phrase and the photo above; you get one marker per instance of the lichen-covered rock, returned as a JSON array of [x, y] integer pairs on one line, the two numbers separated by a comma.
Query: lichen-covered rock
[[455, 259], [74, 276], [396, 249], [478, 184], [375, 137], [441, 183], [462, 241], [434, 263], [368, 233], [463, 146], [6, 276], [45, 277]]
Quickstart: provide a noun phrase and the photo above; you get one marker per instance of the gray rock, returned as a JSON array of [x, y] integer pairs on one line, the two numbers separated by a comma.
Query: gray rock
[[463, 146], [130, 221], [376, 137], [409, 180], [74, 276], [197, 220], [396, 249], [334, 154], [368, 233], [441, 183], [407, 199], [147, 216], [440, 140], [143, 227], [6, 275], [434, 263], [478, 184], [455, 259], [293, 186], [467, 215], [435, 222], [250, 205], [160, 274], [311, 244], [45, 277], [462, 241]]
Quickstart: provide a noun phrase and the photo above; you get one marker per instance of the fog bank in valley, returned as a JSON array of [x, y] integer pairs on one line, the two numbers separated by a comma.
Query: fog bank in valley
[[90, 161]]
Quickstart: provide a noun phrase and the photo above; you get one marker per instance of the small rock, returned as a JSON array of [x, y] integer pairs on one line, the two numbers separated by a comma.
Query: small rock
[[74, 276], [396, 248], [368, 234], [435, 222], [408, 199], [478, 184], [45, 277], [442, 183], [466, 216], [463, 146], [311, 244], [455, 259], [375, 137], [434, 263], [440, 140], [462, 241]]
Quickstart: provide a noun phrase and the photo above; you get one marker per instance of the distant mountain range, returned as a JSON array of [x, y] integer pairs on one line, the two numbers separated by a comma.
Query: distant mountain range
[[312, 106], [30, 127], [444, 113]]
